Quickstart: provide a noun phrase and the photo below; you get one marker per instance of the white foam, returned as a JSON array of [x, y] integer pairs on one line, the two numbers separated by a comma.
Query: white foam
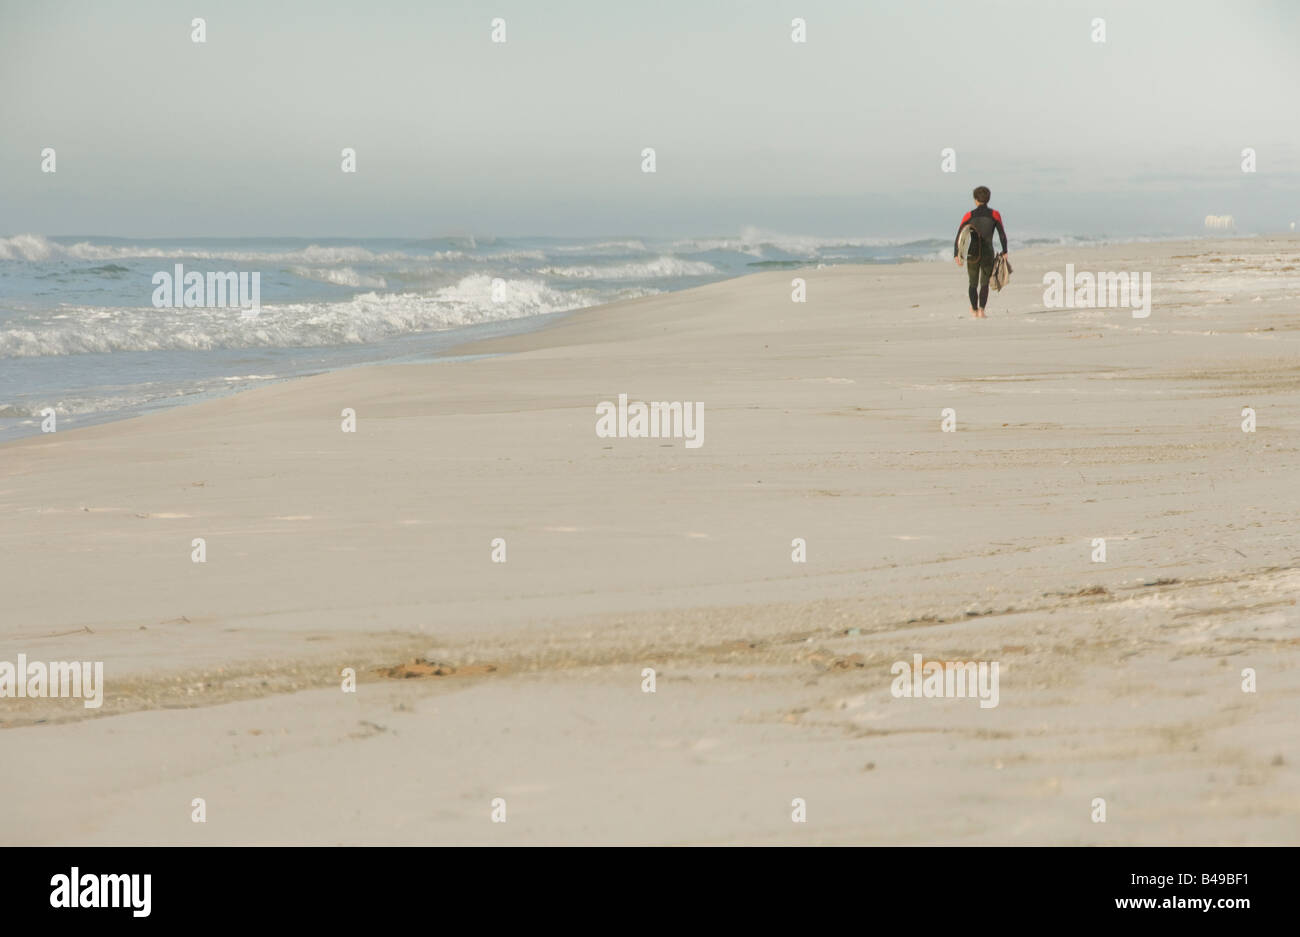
[[637, 270], [26, 247], [34, 247], [75, 405], [367, 317], [602, 247], [340, 276]]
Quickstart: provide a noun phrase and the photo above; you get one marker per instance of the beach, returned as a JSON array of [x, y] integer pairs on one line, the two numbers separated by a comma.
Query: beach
[[524, 680]]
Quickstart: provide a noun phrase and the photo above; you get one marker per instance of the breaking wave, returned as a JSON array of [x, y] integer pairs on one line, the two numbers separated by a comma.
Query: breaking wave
[[367, 317]]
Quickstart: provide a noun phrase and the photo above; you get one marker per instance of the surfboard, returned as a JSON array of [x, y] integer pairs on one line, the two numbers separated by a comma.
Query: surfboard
[[963, 240]]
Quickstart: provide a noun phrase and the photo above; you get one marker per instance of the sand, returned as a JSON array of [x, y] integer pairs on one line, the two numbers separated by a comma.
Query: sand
[[522, 680]]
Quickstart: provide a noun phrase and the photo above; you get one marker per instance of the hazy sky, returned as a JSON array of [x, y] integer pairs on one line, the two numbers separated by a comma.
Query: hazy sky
[[159, 136]]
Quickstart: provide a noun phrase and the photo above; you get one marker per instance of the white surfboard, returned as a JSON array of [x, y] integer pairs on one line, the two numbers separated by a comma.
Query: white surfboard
[[963, 240]]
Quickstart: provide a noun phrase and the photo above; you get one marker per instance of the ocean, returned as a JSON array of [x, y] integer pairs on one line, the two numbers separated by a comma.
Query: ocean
[[80, 334]]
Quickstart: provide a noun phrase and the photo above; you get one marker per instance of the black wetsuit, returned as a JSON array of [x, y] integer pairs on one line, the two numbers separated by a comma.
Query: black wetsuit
[[979, 257]]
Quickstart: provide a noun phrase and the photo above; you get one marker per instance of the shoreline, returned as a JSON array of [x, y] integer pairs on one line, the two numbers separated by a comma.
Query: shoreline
[[371, 550], [446, 353]]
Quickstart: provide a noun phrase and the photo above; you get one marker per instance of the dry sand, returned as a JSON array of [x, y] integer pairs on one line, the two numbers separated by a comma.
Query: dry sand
[[1119, 680]]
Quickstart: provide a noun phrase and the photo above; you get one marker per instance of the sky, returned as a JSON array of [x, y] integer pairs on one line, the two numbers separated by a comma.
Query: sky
[[159, 136]]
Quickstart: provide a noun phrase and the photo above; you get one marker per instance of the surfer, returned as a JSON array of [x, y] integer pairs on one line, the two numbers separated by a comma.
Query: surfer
[[975, 235]]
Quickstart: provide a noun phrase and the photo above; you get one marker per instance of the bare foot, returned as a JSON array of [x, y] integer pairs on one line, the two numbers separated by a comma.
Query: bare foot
[[981, 314], [975, 313]]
